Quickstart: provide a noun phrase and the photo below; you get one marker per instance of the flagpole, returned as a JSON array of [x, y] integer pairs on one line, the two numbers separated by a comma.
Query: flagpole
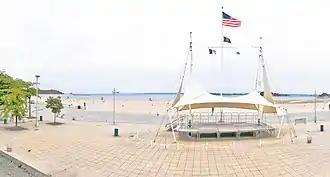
[[191, 65], [221, 70]]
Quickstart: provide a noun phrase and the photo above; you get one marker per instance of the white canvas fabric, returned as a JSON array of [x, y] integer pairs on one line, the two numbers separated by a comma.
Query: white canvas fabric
[[195, 98], [252, 98], [267, 93], [193, 94], [178, 95]]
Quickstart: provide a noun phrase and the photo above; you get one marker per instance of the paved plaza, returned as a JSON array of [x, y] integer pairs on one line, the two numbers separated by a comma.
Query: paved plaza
[[90, 149]]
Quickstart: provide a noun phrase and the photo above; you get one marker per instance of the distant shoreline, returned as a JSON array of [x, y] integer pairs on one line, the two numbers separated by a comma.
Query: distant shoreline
[[49, 92], [169, 93]]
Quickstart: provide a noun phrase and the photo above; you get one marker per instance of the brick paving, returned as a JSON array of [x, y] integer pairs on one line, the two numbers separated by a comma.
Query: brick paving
[[89, 149]]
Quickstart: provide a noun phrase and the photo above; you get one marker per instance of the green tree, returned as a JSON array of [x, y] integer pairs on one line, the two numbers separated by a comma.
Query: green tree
[[5, 83], [13, 98], [30, 92], [55, 104]]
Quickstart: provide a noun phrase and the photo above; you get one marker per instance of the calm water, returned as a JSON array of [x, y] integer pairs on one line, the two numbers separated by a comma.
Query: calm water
[[157, 96]]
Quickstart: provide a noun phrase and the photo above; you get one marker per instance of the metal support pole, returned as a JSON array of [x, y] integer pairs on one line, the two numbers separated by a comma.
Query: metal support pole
[[114, 92], [191, 66], [37, 94], [221, 69], [315, 107], [191, 55]]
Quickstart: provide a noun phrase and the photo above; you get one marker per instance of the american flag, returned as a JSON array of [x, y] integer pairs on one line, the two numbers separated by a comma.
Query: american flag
[[227, 20]]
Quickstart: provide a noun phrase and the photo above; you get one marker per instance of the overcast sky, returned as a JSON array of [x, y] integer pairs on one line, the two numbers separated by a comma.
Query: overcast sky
[[140, 46]]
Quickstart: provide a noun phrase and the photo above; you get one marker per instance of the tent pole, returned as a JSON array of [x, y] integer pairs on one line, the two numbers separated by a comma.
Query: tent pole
[[191, 65], [258, 79], [191, 56], [172, 127], [279, 131]]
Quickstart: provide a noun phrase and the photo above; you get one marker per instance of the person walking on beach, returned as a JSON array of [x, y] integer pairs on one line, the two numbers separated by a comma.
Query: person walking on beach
[[84, 105]]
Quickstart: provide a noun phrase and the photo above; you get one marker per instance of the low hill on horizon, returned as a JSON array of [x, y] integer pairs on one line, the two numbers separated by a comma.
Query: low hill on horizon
[[262, 94], [324, 95], [50, 91]]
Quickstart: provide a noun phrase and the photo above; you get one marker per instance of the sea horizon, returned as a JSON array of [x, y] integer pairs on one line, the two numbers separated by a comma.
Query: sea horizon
[[166, 96]]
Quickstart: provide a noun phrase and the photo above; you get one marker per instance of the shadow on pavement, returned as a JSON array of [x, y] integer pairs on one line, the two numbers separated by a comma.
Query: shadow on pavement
[[54, 123], [18, 128]]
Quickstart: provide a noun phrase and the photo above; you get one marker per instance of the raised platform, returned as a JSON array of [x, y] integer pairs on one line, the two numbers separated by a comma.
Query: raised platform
[[225, 130]]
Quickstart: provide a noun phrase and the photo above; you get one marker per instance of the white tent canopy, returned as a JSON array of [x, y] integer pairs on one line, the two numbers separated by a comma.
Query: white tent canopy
[[196, 97], [194, 93]]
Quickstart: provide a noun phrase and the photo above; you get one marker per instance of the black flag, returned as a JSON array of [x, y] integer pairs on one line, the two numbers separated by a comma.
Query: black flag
[[225, 39]]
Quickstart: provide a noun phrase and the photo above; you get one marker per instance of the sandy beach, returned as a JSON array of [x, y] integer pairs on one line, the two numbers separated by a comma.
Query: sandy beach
[[160, 107], [122, 106], [155, 112]]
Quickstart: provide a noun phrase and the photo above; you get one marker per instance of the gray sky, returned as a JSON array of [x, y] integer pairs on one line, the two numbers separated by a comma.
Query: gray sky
[[140, 46]]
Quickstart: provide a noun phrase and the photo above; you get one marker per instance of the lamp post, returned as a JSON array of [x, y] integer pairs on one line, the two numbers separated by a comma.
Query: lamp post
[[37, 94], [114, 92], [315, 107]]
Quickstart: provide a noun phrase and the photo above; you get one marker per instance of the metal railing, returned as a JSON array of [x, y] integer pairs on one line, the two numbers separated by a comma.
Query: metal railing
[[186, 120], [175, 122], [222, 118]]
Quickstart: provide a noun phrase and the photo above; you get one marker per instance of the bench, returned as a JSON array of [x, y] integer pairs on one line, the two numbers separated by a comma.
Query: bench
[[300, 121]]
